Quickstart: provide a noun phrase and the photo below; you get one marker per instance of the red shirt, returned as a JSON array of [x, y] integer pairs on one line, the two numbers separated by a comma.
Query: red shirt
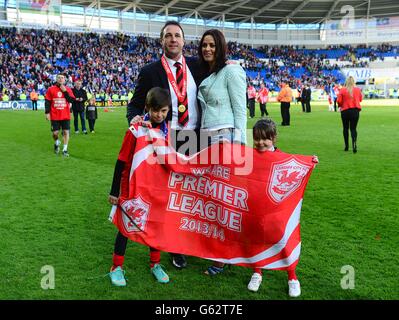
[[126, 155], [60, 107], [128, 146], [346, 101], [263, 95], [251, 92]]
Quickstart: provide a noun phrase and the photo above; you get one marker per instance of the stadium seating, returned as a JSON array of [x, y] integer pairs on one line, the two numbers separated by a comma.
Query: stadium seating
[[109, 64]]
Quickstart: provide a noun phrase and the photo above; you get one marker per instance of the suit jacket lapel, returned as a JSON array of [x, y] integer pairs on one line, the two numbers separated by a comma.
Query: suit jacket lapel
[[163, 79]]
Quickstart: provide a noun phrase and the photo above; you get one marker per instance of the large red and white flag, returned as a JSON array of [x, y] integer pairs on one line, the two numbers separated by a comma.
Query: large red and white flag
[[228, 203]]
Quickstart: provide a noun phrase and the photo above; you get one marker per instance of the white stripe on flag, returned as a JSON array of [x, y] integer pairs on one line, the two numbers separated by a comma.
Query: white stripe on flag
[[140, 157], [133, 130], [145, 152], [294, 256], [275, 249], [154, 134], [163, 150]]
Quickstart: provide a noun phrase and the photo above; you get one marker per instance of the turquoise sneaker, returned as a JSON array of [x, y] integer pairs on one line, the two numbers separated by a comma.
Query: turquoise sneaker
[[118, 277], [159, 274]]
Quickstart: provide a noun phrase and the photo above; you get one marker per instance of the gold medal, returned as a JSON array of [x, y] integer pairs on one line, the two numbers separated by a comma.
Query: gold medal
[[182, 108]]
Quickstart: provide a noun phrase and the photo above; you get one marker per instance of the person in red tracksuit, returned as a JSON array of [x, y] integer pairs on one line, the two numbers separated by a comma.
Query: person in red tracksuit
[[57, 109], [157, 104], [348, 100]]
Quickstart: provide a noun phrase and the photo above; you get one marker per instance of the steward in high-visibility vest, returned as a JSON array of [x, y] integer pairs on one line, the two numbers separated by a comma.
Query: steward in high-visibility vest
[[34, 97]]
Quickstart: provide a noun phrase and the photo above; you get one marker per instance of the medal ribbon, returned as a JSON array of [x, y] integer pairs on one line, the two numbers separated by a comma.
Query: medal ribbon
[[181, 95]]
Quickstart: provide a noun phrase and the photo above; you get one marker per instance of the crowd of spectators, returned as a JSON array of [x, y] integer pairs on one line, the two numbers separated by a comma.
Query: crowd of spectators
[[110, 63], [289, 63], [105, 63]]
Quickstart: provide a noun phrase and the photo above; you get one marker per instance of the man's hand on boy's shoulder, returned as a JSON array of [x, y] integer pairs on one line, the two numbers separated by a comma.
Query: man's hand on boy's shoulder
[[146, 124], [135, 120], [140, 121]]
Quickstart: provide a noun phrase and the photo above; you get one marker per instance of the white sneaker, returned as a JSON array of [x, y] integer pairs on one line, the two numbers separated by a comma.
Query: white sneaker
[[294, 288], [255, 282]]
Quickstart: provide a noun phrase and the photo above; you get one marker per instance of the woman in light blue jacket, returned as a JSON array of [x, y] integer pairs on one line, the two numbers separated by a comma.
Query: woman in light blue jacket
[[222, 94]]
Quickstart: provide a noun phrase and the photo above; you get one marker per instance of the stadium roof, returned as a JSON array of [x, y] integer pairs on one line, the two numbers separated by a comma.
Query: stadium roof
[[241, 11]]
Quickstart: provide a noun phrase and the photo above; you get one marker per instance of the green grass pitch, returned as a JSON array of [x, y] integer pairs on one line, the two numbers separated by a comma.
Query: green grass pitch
[[54, 211]]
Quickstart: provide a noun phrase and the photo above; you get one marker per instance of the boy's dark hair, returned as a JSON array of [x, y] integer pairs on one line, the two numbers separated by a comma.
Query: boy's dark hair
[[265, 129], [168, 23], [157, 98], [220, 52]]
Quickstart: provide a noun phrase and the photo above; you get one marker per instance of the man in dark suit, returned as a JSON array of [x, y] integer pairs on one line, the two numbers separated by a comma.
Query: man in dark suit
[[185, 114], [156, 75], [306, 97], [78, 106], [300, 98]]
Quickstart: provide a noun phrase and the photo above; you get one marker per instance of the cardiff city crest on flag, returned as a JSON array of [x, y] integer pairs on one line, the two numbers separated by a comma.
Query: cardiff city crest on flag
[[285, 178], [135, 214]]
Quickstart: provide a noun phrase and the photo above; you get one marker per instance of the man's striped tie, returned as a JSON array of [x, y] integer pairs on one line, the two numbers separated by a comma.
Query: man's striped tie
[[182, 114]]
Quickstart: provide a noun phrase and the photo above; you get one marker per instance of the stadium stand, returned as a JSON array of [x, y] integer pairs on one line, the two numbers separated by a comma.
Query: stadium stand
[[108, 64]]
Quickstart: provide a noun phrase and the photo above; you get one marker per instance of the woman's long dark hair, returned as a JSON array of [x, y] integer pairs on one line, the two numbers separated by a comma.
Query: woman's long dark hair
[[220, 52]]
